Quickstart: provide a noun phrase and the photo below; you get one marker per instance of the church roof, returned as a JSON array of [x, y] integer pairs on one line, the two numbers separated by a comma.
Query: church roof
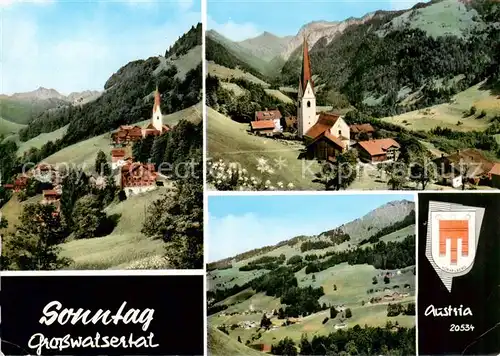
[[324, 123], [306, 76]]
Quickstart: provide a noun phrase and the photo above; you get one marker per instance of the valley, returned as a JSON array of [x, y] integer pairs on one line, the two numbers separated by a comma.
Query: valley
[[409, 74], [306, 289], [100, 170]]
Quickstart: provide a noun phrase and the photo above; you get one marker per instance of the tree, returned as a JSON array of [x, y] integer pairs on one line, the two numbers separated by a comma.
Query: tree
[[265, 322], [178, 219], [387, 280], [423, 170], [3, 222], [88, 217], [35, 245], [339, 175], [285, 346], [333, 313], [75, 186], [374, 280], [351, 348], [334, 287], [348, 313], [101, 164], [239, 338], [397, 174], [305, 346]]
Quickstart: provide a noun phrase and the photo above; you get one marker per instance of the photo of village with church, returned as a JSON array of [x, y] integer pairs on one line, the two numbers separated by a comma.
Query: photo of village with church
[[344, 284], [404, 99], [112, 178]]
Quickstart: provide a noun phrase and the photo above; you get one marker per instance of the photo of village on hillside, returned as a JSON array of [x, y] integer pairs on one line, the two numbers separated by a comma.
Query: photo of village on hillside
[[335, 278], [105, 170], [353, 95]]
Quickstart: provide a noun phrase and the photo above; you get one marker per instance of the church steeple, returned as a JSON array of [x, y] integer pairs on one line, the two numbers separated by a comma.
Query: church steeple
[[157, 100], [306, 76]]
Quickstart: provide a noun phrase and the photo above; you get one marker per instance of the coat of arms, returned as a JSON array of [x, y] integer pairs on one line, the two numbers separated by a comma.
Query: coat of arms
[[452, 239]]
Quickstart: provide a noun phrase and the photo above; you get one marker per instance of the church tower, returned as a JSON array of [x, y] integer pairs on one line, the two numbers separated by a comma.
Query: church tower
[[157, 119], [306, 106]]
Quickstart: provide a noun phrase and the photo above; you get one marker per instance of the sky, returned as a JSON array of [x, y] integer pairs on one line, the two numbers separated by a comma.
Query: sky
[[242, 19], [76, 45], [237, 224]]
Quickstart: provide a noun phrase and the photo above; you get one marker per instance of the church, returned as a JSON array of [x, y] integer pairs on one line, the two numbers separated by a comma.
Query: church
[[129, 133], [324, 134]]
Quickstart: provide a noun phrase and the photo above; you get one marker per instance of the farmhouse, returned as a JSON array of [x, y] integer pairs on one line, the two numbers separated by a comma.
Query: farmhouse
[[470, 165], [265, 127], [20, 183], [376, 151], [361, 132], [267, 121], [138, 178]]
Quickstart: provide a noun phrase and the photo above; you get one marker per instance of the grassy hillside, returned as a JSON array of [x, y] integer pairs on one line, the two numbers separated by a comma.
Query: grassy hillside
[[83, 154], [265, 46], [226, 73], [126, 247], [220, 344], [8, 128], [229, 140], [22, 111], [42, 139]]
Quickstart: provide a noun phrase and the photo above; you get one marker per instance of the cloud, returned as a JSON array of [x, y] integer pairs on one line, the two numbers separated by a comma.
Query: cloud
[[234, 31], [231, 234], [80, 59]]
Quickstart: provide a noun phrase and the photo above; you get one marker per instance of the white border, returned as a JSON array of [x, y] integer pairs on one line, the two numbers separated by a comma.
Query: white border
[[417, 246]]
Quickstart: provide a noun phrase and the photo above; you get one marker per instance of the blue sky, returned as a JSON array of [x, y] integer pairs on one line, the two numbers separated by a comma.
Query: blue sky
[[242, 19], [241, 223], [76, 45]]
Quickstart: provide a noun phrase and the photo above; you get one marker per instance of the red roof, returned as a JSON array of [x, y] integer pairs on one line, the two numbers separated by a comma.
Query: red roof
[[268, 115], [324, 123], [264, 124], [378, 147], [50, 193], [8, 186], [362, 128], [306, 67], [329, 137], [117, 152]]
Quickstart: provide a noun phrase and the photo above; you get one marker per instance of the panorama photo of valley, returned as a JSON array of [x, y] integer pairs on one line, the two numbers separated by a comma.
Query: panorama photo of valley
[[368, 95], [311, 275], [101, 136]]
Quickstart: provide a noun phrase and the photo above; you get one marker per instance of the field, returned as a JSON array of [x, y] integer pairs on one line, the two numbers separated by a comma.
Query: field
[[279, 95], [228, 73], [83, 154], [8, 127], [352, 284], [220, 344], [449, 114], [230, 141], [126, 247], [40, 140]]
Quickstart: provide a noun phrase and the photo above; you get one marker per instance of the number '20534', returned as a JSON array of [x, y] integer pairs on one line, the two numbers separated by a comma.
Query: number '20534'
[[461, 327]]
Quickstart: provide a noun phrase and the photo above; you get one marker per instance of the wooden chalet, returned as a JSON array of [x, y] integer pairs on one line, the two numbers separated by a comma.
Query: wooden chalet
[[494, 175], [376, 151], [328, 137], [361, 130]]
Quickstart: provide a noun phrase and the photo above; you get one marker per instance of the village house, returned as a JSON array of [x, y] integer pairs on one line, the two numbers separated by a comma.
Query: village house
[[155, 127], [267, 121], [377, 151], [52, 197], [20, 183], [361, 132], [118, 158], [138, 178], [45, 173], [289, 123], [469, 165]]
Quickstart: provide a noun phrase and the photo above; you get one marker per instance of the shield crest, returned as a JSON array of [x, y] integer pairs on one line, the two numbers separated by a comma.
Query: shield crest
[[452, 239]]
